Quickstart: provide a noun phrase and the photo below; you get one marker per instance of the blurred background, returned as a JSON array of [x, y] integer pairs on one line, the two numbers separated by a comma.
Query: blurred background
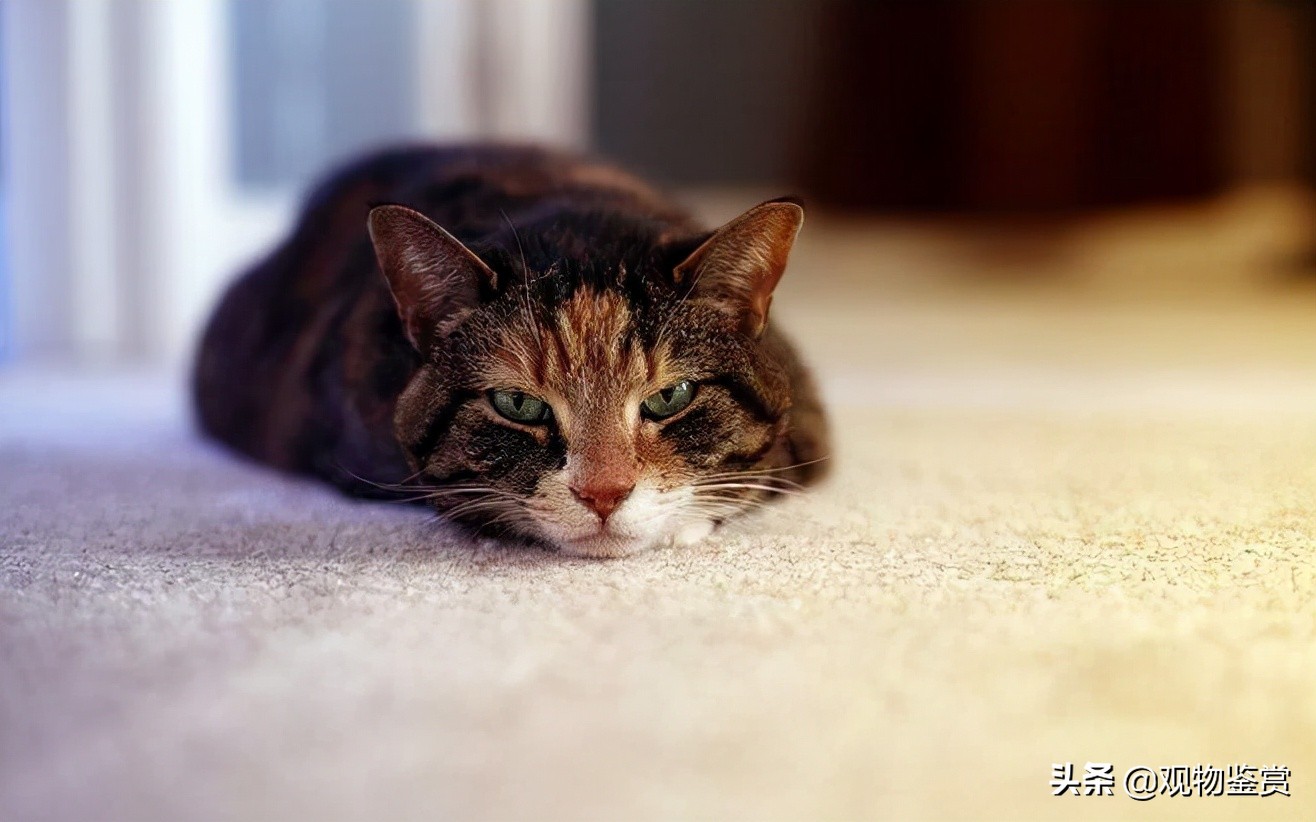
[[1113, 151], [1057, 280]]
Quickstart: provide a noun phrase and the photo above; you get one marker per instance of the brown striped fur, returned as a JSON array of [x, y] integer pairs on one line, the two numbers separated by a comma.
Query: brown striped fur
[[518, 269]]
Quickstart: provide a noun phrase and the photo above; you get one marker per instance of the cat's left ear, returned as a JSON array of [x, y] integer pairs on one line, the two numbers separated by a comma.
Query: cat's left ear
[[740, 265], [435, 279]]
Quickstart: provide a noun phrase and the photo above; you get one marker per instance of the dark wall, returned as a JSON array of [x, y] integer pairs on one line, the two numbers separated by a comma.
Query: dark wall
[[1032, 106], [1027, 105], [1307, 19], [703, 91]]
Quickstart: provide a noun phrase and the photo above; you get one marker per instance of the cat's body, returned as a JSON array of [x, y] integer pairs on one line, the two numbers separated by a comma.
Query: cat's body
[[584, 299]]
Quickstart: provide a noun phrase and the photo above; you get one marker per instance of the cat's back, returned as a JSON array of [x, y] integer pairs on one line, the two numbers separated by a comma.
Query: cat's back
[[476, 189]]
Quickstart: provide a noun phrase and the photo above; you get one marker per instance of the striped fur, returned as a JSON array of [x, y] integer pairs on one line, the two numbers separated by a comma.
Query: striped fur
[[586, 293]]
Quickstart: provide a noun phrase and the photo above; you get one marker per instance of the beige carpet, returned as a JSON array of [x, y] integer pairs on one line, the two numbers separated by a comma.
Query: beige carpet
[[1073, 520]]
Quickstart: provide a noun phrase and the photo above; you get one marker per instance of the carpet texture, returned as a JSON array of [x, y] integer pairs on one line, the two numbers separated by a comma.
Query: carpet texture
[[1066, 524]]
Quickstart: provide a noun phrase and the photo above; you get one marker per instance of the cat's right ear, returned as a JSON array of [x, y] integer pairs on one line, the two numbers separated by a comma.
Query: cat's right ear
[[435, 279], [738, 267]]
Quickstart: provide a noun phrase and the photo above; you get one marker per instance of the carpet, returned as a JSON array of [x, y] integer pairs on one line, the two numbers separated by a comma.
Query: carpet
[[1071, 520]]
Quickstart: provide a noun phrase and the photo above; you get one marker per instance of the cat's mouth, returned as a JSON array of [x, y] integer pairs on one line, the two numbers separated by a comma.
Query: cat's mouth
[[639, 523], [605, 540]]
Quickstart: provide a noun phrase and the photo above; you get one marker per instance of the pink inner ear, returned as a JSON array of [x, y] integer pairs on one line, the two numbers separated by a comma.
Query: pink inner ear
[[741, 264], [434, 279], [758, 317]]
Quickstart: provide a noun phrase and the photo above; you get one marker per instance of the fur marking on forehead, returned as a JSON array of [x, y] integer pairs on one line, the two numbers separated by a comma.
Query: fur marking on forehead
[[593, 334], [593, 361], [584, 352]]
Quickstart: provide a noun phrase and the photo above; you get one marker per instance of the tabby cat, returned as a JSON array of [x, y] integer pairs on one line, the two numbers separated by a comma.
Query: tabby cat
[[553, 351]]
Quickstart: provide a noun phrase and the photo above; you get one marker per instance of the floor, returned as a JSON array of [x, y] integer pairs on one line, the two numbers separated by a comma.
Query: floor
[[1073, 520]]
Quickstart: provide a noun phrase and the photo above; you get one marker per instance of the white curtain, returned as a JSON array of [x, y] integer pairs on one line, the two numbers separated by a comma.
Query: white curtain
[[125, 214]]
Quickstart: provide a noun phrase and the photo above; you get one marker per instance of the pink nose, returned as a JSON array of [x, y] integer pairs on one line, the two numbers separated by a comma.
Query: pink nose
[[603, 499]]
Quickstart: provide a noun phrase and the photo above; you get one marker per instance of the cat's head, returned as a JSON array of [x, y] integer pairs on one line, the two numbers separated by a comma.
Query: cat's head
[[600, 397]]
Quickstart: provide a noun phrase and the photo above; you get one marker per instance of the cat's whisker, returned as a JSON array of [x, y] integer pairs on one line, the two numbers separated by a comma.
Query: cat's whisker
[[508, 519], [776, 482], [715, 515], [709, 508], [444, 493], [508, 515], [762, 479], [734, 503], [753, 472], [482, 494], [383, 486], [740, 501], [505, 515], [406, 500], [486, 513], [750, 492], [727, 498], [781, 469], [737, 503], [751, 486], [457, 486]]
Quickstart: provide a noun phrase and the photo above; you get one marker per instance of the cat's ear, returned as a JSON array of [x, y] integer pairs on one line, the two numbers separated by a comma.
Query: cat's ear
[[739, 266], [435, 279]]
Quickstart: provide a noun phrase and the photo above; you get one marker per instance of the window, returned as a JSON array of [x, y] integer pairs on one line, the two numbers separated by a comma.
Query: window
[[317, 80]]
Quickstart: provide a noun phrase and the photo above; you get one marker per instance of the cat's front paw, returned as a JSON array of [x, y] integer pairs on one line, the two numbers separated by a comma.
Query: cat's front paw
[[692, 533]]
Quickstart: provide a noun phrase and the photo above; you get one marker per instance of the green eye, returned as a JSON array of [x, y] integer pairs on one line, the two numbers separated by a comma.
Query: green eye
[[669, 401], [520, 407]]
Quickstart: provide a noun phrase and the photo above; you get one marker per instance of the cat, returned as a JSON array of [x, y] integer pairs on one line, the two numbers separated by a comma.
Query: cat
[[537, 344]]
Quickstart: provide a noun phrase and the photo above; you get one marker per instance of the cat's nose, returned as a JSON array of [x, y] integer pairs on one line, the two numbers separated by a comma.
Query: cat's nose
[[603, 499]]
